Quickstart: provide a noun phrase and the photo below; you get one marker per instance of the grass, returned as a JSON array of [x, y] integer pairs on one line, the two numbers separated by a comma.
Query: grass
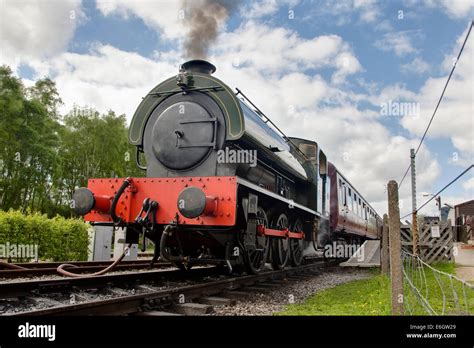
[[360, 297], [432, 289], [372, 296]]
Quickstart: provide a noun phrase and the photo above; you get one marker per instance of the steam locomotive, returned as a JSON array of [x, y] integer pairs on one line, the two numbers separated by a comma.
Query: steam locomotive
[[223, 184]]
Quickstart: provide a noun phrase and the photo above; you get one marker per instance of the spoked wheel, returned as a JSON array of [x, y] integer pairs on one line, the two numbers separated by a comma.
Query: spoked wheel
[[296, 245], [255, 259], [280, 246]]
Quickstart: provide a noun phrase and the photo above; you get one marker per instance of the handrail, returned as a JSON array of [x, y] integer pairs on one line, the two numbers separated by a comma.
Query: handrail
[[266, 119]]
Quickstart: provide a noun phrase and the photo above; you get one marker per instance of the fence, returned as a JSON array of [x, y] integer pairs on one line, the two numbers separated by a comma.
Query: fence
[[417, 287], [431, 291], [435, 241]]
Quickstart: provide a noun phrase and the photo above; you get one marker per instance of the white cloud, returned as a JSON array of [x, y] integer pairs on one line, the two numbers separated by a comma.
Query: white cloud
[[279, 51], [369, 10], [93, 78], [398, 42], [469, 184], [167, 17], [432, 209], [416, 66], [454, 119], [97, 79], [454, 9], [262, 8], [36, 30], [347, 11]]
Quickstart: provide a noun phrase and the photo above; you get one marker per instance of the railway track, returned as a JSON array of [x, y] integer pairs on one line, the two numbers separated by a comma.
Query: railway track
[[50, 268], [153, 292], [23, 288]]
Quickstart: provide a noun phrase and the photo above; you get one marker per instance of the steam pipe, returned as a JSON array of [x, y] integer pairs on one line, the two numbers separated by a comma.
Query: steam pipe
[[120, 191]]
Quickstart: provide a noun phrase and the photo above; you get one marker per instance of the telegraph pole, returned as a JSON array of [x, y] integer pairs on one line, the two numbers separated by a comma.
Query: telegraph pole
[[414, 223], [396, 267]]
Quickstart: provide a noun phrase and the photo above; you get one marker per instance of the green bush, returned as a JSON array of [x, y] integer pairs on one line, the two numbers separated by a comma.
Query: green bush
[[58, 239]]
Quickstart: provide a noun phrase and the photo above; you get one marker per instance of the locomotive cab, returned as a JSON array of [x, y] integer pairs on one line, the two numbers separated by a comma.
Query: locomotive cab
[[316, 165]]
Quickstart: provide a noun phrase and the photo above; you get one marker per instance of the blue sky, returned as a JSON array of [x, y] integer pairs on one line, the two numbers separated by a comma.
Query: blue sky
[[336, 61]]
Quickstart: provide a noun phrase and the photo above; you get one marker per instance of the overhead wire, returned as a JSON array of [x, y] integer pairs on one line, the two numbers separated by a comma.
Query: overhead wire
[[439, 100], [440, 191]]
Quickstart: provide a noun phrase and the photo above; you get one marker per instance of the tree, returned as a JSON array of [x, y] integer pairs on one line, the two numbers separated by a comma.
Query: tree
[[94, 146], [29, 139], [45, 157]]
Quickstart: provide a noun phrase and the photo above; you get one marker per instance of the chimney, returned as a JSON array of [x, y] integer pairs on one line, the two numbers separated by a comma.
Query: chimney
[[199, 66]]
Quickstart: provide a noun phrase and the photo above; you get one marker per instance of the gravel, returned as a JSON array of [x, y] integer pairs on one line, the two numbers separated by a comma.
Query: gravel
[[37, 302], [60, 276], [292, 291], [30, 303], [260, 304]]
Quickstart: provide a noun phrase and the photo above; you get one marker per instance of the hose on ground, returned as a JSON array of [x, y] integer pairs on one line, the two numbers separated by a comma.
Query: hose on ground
[[10, 265], [62, 271]]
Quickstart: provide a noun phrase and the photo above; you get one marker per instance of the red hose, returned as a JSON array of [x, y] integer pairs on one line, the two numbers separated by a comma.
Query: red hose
[[10, 265], [62, 271]]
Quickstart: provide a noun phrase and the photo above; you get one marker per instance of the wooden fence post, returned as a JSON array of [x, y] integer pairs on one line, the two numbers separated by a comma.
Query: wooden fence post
[[396, 274], [384, 255]]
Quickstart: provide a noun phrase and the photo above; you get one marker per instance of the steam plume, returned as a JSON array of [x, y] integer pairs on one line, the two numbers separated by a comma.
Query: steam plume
[[205, 17]]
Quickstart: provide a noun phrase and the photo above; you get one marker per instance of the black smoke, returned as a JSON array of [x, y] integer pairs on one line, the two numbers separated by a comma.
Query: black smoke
[[203, 19]]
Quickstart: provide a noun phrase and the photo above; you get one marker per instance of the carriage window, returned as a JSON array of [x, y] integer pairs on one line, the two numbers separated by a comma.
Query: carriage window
[[351, 201], [354, 203], [341, 192], [365, 211], [345, 195]]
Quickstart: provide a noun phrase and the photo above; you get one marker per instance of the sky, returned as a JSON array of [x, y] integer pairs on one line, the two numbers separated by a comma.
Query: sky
[[336, 72]]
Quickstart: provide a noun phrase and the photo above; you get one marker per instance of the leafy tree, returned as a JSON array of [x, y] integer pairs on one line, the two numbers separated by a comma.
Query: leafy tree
[[45, 157], [94, 146], [29, 140]]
